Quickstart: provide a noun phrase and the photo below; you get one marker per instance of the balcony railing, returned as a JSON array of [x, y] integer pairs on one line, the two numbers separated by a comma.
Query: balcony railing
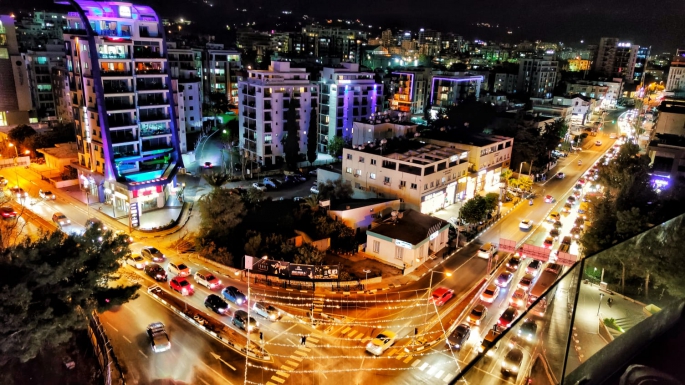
[[144, 133], [121, 138], [150, 72], [74, 31], [152, 102], [115, 73], [147, 55], [149, 118], [151, 86], [115, 90], [113, 55], [153, 147], [144, 33], [118, 106], [120, 122], [125, 154]]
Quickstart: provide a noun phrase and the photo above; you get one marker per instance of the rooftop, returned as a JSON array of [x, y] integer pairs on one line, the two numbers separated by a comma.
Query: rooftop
[[351, 204], [668, 140], [458, 136], [410, 226], [673, 106], [412, 151], [61, 151]]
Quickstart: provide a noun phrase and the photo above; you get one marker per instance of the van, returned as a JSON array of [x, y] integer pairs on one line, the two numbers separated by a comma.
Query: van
[[487, 251]]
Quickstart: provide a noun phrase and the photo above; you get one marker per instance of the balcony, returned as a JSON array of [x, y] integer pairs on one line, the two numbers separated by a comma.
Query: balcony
[[113, 106], [151, 86], [114, 73], [103, 55], [151, 72], [117, 90], [120, 153], [74, 31], [154, 117], [147, 33], [144, 102], [146, 133], [119, 137], [156, 147], [267, 105], [146, 54], [113, 123]]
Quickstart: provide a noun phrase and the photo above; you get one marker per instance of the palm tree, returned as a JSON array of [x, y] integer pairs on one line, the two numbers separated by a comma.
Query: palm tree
[[216, 179], [312, 201]]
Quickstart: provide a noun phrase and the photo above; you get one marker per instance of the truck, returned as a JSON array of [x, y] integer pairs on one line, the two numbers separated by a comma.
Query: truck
[[159, 339], [546, 280]]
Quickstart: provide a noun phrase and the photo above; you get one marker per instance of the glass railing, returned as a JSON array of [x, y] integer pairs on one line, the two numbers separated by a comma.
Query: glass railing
[[113, 55], [591, 304]]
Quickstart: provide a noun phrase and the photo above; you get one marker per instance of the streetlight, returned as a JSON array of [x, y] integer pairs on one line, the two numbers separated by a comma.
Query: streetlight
[[601, 295], [367, 277], [15, 149]]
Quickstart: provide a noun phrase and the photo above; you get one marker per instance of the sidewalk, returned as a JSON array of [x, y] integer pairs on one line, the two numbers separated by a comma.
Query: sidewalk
[[587, 321]]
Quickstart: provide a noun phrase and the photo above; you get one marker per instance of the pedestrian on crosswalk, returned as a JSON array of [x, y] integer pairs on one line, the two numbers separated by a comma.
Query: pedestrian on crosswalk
[[303, 340]]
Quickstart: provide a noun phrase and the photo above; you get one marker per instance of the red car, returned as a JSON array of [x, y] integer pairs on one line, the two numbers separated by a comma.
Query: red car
[[181, 285], [8, 212], [441, 295], [549, 199], [507, 317]]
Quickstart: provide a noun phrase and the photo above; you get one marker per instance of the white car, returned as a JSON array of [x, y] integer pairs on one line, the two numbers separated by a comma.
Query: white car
[[137, 261], [314, 190], [259, 186], [490, 293], [526, 224], [179, 268], [267, 311], [207, 279], [46, 195], [381, 343]]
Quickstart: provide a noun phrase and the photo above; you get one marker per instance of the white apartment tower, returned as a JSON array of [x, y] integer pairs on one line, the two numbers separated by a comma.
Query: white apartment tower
[[346, 95], [538, 77], [265, 96]]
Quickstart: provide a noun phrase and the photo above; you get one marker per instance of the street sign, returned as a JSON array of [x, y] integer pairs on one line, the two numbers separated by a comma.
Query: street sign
[[507, 245], [536, 252], [566, 259]]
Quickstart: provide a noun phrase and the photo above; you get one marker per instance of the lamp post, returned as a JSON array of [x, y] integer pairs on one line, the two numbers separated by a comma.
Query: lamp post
[[367, 278], [601, 295]]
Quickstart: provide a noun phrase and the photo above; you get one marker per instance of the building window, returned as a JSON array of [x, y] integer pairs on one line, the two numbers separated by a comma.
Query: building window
[[372, 175], [403, 184], [386, 180], [376, 247], [349, 156], [348, 170], [373, 162], [432, 184], [361, 159], [358, 172], [190, 98], [413, 186], [398, 252], [425, 186]]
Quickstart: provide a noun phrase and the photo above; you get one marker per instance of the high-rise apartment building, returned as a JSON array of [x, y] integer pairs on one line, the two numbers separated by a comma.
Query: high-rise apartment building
[[616, 58], [221, 67], [15, 95], [326, 42], [409, 90], [676, 74], [346, 95], [185, 69], [39, 66], [538, 77], [62, 95], [265, 97], [641, 59], [125, 122]]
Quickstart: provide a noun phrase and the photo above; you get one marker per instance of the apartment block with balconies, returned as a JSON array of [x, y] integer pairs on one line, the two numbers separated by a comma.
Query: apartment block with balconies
[[123, 107]]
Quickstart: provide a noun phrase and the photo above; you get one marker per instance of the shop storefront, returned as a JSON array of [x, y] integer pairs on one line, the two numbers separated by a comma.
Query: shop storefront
[[440, 199]]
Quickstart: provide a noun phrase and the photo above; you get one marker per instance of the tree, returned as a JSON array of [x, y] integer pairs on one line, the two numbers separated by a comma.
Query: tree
[[253, 245], [253, 196], [312, 137], [216, 179], [505, 175], [338, 189], [20, 134], [525, 183], [307, 254], [474, 210], [48, 283], [291, 144], [221, 211], [335, 146], [312, 201], [491, 201]]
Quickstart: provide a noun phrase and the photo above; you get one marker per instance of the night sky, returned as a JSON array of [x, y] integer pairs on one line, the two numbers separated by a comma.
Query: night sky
[[659, 24]]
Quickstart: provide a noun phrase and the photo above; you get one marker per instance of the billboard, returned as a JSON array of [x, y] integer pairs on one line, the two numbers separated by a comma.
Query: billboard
[[536, 252], [507, 245], [287, 270], [566, 259]]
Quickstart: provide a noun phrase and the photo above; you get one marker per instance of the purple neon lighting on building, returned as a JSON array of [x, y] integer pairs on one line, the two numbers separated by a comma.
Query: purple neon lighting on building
[[411, 83], [452, 80]]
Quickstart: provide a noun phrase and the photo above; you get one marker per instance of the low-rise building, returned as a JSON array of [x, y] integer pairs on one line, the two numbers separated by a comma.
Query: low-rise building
[[545, 108], [606, 92], [381, 126], [359, 214], [581, 106], [63, 154], [667, 154], [427, 177], [407, 240]]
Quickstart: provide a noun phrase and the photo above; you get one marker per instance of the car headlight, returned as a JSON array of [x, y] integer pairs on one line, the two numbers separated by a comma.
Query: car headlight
[[490, 353], [477, 322], [239, 301], [481, 349], [272, 317], [457, 346]]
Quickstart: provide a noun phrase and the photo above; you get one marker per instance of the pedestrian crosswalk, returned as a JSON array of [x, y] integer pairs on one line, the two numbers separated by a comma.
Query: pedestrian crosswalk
[[294, 361], [418, 363]]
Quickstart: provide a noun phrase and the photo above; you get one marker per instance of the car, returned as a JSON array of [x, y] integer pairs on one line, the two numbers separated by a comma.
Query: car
[[548, 243], [3, 181], [598, 143], [554, 268], [567, 208], [554, 233], [528, 330], [313, 172], [549, 199], [129, 238], [511, 364], [152, 253], [234, 295], [159, 339], [513, 263], [477, 315], [46, 195], [519, 298], [488, 343], [581, 181], [459, 336], [572, 200], [137, 261], [526, 225], [526, 282], [553, 217], [97, 223], [490, 293], [576, 194], [381, 343], [441, 295], [181, 285], [613, 135], [60, 219], [267, 311], [208, 165], [259, 186], [314, 190], [487, 251], [19, 193], [270, 183], [507, 317], [578, 187], [217, 304], [504, 279], [533, 267], [207, 279], [575, 232], [156, 272], [178, 268], [8, 212], [240, 319], [561, 175]]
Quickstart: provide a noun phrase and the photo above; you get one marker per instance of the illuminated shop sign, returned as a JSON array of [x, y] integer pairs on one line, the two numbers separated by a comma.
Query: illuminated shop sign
[[404, 244], [124, 11]]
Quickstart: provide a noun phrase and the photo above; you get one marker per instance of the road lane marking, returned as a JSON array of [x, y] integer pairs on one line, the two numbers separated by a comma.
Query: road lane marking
[[283, 374], [270, 383], [314, 340], [277, 379], [305, 349], [402, 354], [406, 361], [115, 329], [423, 366], [432, 370], [279, 334], [392, 352], [298, 359], [283, 367], [359, 336], [127, 340], [439, 374], [352, 334], [366, 339], [415, 363], [141, 352], [292, 363], [299, 353], [347, 329], [447, 378]]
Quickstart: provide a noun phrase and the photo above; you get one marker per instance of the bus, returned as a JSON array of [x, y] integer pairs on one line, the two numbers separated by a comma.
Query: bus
[[544, 282]]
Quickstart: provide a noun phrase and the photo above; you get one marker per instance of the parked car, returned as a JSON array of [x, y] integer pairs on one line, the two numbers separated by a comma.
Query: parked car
[[181, 285], [217, 304], [137, 261], [234, 295], [268, 182], [553, 217], [208, 165], [459, 336], [18, 193], [156, 272], [490, 293], [267, 311], [46, 195], [441, 295], [598, 143], [207, 279], [178, 268], [7, 212], [314, 190], [152, 253], [3, 181], [548, 243], [60, 219], [97, 223], [240, 320], [381, 343], [259, 186]]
